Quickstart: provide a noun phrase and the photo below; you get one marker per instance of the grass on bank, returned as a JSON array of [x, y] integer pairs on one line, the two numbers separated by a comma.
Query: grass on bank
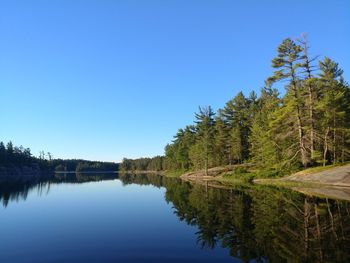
[[176, 173], [238, 174], [245, 175]]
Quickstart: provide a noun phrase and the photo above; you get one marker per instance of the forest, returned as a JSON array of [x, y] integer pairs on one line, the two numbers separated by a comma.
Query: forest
[[18, 163], [13, 155], [305, 124], [79, 165], [300, 119], [143, 164]]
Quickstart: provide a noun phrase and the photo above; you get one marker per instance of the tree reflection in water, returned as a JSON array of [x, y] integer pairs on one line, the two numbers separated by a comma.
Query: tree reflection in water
[[260, 223], [254, 223], [19, 192]]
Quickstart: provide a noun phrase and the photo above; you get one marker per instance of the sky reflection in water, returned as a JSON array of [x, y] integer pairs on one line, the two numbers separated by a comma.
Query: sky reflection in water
[[147, 218]]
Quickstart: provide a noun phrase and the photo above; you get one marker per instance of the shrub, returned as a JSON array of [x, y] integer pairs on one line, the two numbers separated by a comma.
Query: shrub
[[268, 174], [248, 178], [240, 170]]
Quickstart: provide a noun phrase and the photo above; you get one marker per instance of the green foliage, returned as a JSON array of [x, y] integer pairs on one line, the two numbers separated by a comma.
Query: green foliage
[[334, 109], [240, 170], [89, 166], [13, 156], [79, 165], [203, 149], [264, 151], [60, 168], [177, 156], [237, 115], [268, 174], [239, 174], [143, 164], [309, 125], [221, 142]]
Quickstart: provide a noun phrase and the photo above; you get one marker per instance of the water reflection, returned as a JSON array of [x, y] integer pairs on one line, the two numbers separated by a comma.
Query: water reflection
[[253, 223], [11, 192], [260, 223]]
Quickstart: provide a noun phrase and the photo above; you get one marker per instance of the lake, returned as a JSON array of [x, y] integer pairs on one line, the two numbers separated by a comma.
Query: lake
[[149, 218]]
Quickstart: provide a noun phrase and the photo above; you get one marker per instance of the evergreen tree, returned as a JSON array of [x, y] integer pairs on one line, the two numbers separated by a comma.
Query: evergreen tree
[[334, 108], [309, 125], [204, 146], [9, 151], [264, 151], [236, 115], [177, 153], [221, 142], [2, 153], [309, 84], [287, 63]]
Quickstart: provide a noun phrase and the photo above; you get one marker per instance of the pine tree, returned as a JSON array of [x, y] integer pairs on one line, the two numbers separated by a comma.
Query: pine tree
[[309, 125], [177, 153], [287, 64], [221, 142], [236, 115], [264, 152], [205, 135], [9, 151], [236, 149], [309, 83], [2, 153], [333, 107]]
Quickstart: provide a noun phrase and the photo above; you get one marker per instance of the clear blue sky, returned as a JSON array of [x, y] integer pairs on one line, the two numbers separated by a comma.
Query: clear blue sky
[[106, 79]]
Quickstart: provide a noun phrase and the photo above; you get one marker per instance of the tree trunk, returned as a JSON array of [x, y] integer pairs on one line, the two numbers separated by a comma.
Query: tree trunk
[[306, 226], [332, 220], [311, 116], [229, 157], [334, 140], [340, 221], [301, 140], [300, 126], [307, 65], [206, 166], [325, 146], [319, 236], [343, 146]]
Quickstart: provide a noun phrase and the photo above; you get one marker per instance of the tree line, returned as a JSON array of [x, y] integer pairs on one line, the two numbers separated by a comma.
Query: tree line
[[307, 126], [18, 161], [11, 155], [79, 165], [143, 164]]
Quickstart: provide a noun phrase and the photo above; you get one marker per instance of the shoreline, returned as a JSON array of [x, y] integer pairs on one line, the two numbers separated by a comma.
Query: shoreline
[[142, 172], [328, 176], [331, 181]]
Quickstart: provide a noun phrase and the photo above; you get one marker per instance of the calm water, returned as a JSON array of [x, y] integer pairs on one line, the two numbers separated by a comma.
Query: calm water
[[147, 218]]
